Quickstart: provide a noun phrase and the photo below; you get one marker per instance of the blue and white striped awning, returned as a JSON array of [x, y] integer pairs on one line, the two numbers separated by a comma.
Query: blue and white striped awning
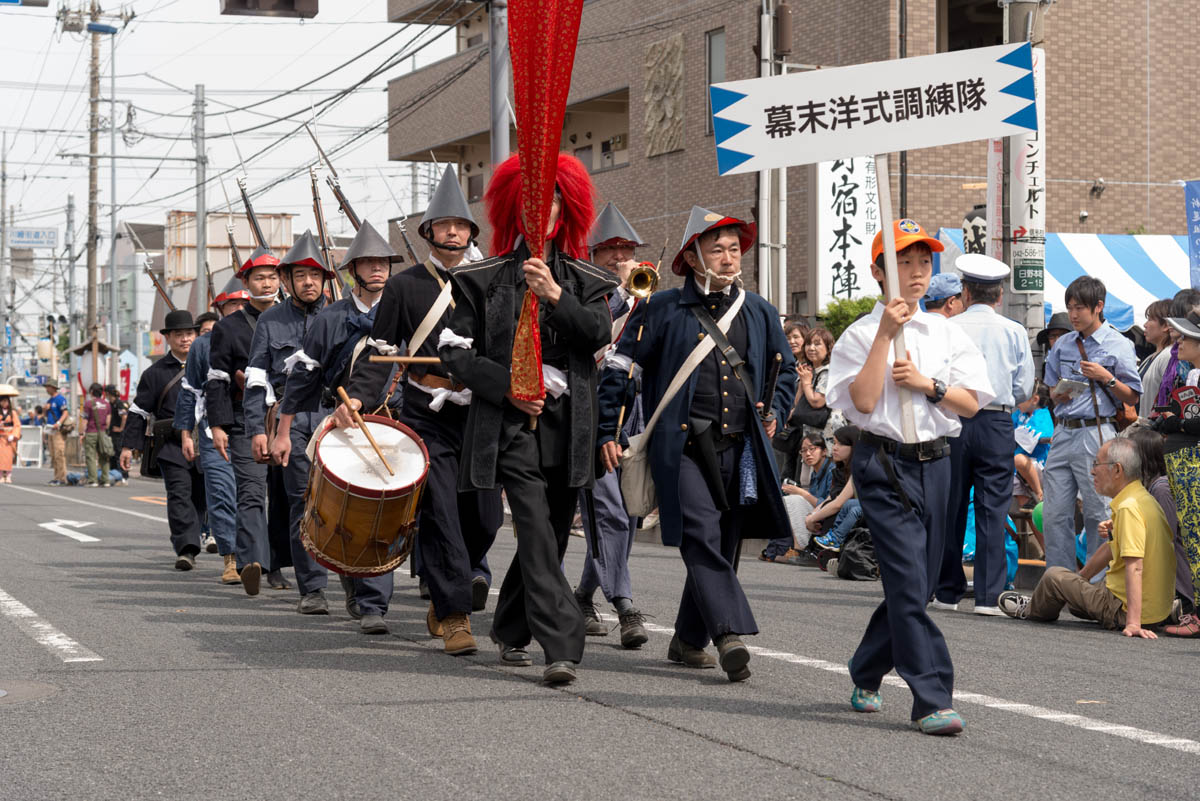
[[1136, 269]]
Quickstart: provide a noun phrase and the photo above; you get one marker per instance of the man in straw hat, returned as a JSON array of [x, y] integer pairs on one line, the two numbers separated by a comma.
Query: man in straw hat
[[711, 458]]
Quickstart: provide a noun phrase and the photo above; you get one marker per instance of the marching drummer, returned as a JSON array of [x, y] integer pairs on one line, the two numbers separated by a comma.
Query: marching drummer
[[279, 333], [456, 529], [335, 339]]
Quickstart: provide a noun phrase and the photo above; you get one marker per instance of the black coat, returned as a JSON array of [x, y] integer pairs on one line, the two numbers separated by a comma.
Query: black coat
[[488, 298], [230, 353], [146, 401]]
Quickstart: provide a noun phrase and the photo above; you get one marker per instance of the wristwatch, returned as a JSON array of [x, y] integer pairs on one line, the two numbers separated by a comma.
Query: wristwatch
[[1110, 383], [939, 391]]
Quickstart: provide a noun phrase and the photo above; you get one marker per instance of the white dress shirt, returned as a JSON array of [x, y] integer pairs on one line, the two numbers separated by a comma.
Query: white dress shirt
[[1004, 344], [938, 349]]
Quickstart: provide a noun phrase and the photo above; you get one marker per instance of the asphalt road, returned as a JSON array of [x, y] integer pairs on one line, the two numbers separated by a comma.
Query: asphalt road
[[126, 679]]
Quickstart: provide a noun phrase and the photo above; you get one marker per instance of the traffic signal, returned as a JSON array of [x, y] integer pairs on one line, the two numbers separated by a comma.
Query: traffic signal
[[270, 8]]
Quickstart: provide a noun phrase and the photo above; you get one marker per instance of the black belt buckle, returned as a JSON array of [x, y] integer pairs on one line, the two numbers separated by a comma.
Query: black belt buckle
[[928, 451]]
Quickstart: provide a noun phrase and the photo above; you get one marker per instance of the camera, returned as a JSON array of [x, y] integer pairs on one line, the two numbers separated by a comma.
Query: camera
[[1083, 215]]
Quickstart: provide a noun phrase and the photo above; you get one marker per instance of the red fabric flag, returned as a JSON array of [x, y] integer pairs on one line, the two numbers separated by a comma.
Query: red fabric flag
[[542, 35]]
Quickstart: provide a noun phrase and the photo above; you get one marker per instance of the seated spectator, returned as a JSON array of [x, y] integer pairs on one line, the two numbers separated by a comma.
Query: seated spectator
[[1165, 373], [1140, 584], [834, 519], [799, 501], [1154, 479], [1034, 427], [1182, 454], [786, 442]]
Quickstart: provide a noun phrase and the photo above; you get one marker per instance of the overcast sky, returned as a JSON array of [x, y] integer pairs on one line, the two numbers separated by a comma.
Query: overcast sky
[[162, 53]]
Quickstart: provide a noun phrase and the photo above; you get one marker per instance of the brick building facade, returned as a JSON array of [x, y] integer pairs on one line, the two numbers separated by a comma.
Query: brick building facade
[[638, 108]]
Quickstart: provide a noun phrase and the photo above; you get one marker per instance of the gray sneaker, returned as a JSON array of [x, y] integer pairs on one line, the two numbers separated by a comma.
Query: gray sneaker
[[593, 625], [314, 604], [372, 623], [1014, 604]]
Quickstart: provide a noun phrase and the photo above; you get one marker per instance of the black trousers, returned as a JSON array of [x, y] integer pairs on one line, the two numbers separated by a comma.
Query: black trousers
[[252, 539], [279, 537], [713, 602], [310, 576], [185, 499], [455, 529], [536, 602]]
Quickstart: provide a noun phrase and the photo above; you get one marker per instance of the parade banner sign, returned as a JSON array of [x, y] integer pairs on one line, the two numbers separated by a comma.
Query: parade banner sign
[[1191, 195], [882, 107], [1027, 194], [847, 219]]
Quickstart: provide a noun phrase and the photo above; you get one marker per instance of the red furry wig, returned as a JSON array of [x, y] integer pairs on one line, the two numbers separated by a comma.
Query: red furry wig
[[503, 201]]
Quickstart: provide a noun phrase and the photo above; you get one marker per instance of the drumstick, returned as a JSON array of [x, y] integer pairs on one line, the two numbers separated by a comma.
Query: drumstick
[[376, 358], [363, 426]]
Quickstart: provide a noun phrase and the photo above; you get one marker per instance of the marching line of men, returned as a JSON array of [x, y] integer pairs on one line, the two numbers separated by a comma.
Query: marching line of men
[[709, 361]]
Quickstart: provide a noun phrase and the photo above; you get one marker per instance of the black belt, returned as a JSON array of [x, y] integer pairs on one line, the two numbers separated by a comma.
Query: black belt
[[914, 452], [1083, 422]]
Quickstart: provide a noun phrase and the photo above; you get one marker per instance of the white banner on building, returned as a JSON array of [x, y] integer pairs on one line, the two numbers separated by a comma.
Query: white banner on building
[[993, 234], [1027, 193], [847, 221], [882, 107]]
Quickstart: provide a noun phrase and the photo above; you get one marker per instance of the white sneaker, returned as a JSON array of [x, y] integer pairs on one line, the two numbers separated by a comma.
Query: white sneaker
[[993, 611], [210, 544], [936, 604]]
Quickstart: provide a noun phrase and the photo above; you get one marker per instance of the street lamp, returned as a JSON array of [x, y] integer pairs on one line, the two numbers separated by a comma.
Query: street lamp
[[114, 333]]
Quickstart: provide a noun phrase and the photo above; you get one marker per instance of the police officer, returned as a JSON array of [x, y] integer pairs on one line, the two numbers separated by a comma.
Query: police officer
[[711, 457], [612, 241], [280, 332], [220, 489], [902, 485], [223, 396], [981, 456], [335, 339], [157, 393]]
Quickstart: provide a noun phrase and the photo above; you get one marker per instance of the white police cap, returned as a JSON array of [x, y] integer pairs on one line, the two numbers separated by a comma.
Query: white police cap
[[981, 269]]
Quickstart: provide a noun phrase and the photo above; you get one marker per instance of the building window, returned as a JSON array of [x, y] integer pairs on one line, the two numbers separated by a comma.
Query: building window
[[474, 188], [963, 24], [714, 68]]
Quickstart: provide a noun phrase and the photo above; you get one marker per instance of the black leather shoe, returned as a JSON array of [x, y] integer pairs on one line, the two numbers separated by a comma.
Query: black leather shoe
[[733, 655], [511, 655], [479, 593], [351, 605], [740, 675], [684, 654], [373, 624], [185, 561], [560, 673], [314, 604], [633, 629], [276, 581]]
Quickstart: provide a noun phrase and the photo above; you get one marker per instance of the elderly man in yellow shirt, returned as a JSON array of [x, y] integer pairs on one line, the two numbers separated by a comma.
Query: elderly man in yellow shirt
[[1140, 584]]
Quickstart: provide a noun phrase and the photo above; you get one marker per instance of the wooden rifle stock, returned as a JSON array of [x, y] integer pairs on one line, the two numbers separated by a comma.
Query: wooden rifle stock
[[259, 238], [343, 204], [162, 292]]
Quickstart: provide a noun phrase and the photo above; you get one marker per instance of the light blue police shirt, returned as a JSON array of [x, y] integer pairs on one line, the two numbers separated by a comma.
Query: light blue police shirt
[[1004, 344]]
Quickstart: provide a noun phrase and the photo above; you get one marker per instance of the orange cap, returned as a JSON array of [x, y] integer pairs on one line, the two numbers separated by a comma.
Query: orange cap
[[908, 233]]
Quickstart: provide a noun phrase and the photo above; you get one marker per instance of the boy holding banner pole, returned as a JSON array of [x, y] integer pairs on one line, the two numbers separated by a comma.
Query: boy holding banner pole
[[906, 403]]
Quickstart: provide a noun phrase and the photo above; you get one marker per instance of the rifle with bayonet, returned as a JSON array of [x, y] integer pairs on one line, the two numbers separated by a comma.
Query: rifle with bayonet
[[233, 248], [412, 254], [212, 292], [334, 183], [259, 237], [162, 292], [322, 235]]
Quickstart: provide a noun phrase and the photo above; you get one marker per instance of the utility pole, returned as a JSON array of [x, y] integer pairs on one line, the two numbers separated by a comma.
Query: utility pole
[[72, 323], [113, 322], [4, 321], [498, 52], [201, 207], [93, 233]]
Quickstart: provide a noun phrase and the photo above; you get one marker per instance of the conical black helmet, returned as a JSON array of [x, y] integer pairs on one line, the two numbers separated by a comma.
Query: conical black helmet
[[368, 244], [448, 201], [306, 253], [612, 228]]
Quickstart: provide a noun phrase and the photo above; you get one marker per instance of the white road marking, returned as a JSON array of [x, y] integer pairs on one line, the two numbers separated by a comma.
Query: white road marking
[[1028, 710], [46, 635], [60, 497], [59, 526]]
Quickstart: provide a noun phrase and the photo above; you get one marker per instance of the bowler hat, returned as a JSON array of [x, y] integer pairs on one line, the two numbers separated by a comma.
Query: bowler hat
[[178, 320]]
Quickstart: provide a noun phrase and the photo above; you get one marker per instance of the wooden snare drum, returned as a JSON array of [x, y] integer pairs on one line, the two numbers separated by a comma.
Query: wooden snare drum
[[358, 520]]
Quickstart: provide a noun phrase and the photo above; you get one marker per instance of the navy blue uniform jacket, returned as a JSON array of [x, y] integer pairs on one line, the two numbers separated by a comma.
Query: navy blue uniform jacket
[[669, 333]]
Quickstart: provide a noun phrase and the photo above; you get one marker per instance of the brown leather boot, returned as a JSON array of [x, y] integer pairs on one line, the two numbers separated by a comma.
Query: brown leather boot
[[230, 576], [457, 636], [432, 623]]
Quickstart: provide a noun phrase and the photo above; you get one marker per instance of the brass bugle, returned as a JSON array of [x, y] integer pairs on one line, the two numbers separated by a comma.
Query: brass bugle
[[643, 280]]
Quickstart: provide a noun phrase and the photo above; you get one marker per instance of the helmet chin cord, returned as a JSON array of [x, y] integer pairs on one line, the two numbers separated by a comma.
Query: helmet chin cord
[[264, 298], [723, 281]]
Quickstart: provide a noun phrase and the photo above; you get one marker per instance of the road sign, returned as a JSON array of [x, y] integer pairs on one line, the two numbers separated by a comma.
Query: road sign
[[906, 104], [1027, 194], [33, 237]]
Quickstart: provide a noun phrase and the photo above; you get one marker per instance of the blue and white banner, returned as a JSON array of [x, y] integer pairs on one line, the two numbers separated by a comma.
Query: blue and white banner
[[867, 109], [1191, 195]]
